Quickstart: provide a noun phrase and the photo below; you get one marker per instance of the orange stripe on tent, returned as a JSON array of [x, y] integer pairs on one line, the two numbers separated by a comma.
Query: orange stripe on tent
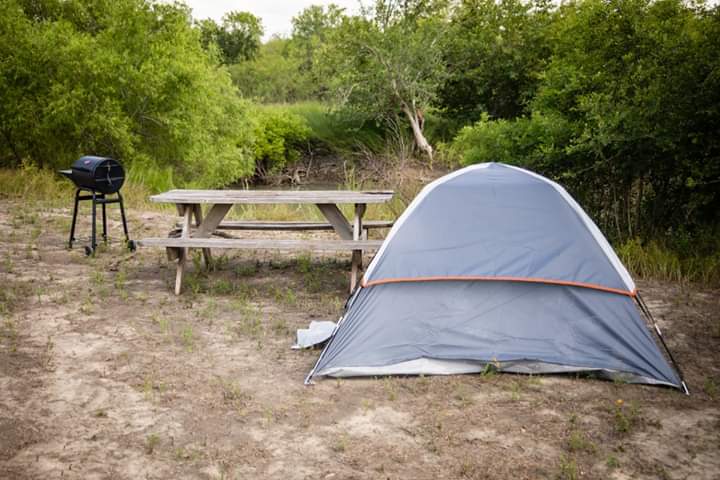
[[483, 278]]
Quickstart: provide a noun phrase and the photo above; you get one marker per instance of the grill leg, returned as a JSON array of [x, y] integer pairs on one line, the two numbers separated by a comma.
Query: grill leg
[[72, 226], [122, 214], [104, 223], [93, 240]]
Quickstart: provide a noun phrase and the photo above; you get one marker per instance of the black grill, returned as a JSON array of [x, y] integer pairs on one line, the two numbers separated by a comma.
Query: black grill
[[101, 174], [98, 177]]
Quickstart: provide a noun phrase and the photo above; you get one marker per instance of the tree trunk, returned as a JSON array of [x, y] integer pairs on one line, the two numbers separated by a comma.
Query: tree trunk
[[420, 139]]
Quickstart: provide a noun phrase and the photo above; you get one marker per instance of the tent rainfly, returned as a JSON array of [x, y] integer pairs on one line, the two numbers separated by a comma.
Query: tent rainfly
[[493, 265]]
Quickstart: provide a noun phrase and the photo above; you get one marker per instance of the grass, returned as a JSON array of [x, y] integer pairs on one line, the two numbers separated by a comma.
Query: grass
[[655, 260], [710, 387], [187, 337], [578, 442], [46, 189], [13, 294], [568, 469], [151, 443], [9, 331], [612, 462], [234, 396], [341, 443]]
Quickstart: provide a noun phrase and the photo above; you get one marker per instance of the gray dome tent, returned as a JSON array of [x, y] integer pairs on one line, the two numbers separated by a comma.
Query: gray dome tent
[[496, 265]]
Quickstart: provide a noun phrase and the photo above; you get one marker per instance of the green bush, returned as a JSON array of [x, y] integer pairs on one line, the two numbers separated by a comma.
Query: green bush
[[529, 141], [338, 131], [274, 76], [127, 79], [280, 137]]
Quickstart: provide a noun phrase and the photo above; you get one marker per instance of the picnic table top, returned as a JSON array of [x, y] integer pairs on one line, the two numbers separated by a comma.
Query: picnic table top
[[272, 196]]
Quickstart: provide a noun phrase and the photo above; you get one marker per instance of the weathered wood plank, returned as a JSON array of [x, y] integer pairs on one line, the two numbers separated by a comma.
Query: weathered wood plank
[[263, 225], [187, 218], [261, 244], [336, 219], [212, 220], [272, 196], [207, 255], [356, 263]]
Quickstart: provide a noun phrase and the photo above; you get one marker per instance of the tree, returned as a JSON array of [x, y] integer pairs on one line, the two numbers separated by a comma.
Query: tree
[[387, 61], [237, 38], [274, 76], [495, 51], [127, 79], [626, 114], [311, 28]]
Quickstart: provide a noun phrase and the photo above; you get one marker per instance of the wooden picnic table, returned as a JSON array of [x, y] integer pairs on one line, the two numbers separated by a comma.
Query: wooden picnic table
[[352, 234]]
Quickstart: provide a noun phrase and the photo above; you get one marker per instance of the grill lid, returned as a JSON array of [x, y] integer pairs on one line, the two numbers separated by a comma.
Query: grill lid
[[102, 174]]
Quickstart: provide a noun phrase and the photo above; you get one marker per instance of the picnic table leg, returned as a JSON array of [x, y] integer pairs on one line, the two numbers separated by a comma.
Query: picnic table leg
[[336, 219], [207, 256], [357, 254], [212, 220], [187, 211]]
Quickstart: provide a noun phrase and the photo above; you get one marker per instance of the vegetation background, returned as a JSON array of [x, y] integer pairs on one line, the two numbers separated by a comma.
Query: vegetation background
[[618, 100]]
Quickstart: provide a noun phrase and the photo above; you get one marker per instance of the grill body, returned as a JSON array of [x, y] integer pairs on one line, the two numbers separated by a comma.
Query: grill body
[[99, 177], [101, 174]]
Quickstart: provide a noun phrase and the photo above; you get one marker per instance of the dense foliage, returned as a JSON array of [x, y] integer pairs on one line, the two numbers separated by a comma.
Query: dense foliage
[[626, 114], [124, 78], [619, 100], [237, 38]]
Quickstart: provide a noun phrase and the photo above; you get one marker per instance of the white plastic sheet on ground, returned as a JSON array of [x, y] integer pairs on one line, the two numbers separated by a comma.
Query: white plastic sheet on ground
[[315, 334]]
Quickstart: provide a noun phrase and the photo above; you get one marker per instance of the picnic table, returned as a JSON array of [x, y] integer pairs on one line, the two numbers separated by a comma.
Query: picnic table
[[199, 234]]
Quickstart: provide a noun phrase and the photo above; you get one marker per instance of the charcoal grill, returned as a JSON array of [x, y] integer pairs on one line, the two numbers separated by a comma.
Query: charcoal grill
[[98, 177]]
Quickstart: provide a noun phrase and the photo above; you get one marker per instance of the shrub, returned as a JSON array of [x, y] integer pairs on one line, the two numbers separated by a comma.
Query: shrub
[[279, 139]]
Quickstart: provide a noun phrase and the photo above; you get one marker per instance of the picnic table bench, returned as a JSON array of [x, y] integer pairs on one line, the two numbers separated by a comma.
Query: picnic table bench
[[199, 234]]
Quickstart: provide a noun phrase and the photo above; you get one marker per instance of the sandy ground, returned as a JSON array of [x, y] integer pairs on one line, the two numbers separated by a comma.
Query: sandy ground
[[104, 373]]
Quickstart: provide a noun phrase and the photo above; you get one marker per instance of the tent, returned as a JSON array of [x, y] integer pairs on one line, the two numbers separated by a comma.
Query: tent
[[493, 266]]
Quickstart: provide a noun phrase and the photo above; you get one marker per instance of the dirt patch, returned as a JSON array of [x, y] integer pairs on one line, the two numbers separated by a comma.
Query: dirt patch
[[104, 373]]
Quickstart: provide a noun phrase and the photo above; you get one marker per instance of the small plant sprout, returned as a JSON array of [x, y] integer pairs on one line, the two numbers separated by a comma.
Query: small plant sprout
[[390, 387], [188, 337], [151, 443], [612, 462], [710, 387], [568, 468], [341, 443], [626, 416]]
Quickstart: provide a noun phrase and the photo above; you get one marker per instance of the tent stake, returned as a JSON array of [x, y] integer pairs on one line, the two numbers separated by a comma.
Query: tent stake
[[644, 308]]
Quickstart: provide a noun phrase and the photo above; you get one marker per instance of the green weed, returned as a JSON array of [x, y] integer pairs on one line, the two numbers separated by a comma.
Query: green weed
[[626, 416], [279, 326], [390, 388], [13, 294], [247, 269], [187, 337], [710, 387], [577, 442], [568, 469], [612, 462], [463, 395], [151, 443], [10, 332], [341, 443], [234, 396]]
